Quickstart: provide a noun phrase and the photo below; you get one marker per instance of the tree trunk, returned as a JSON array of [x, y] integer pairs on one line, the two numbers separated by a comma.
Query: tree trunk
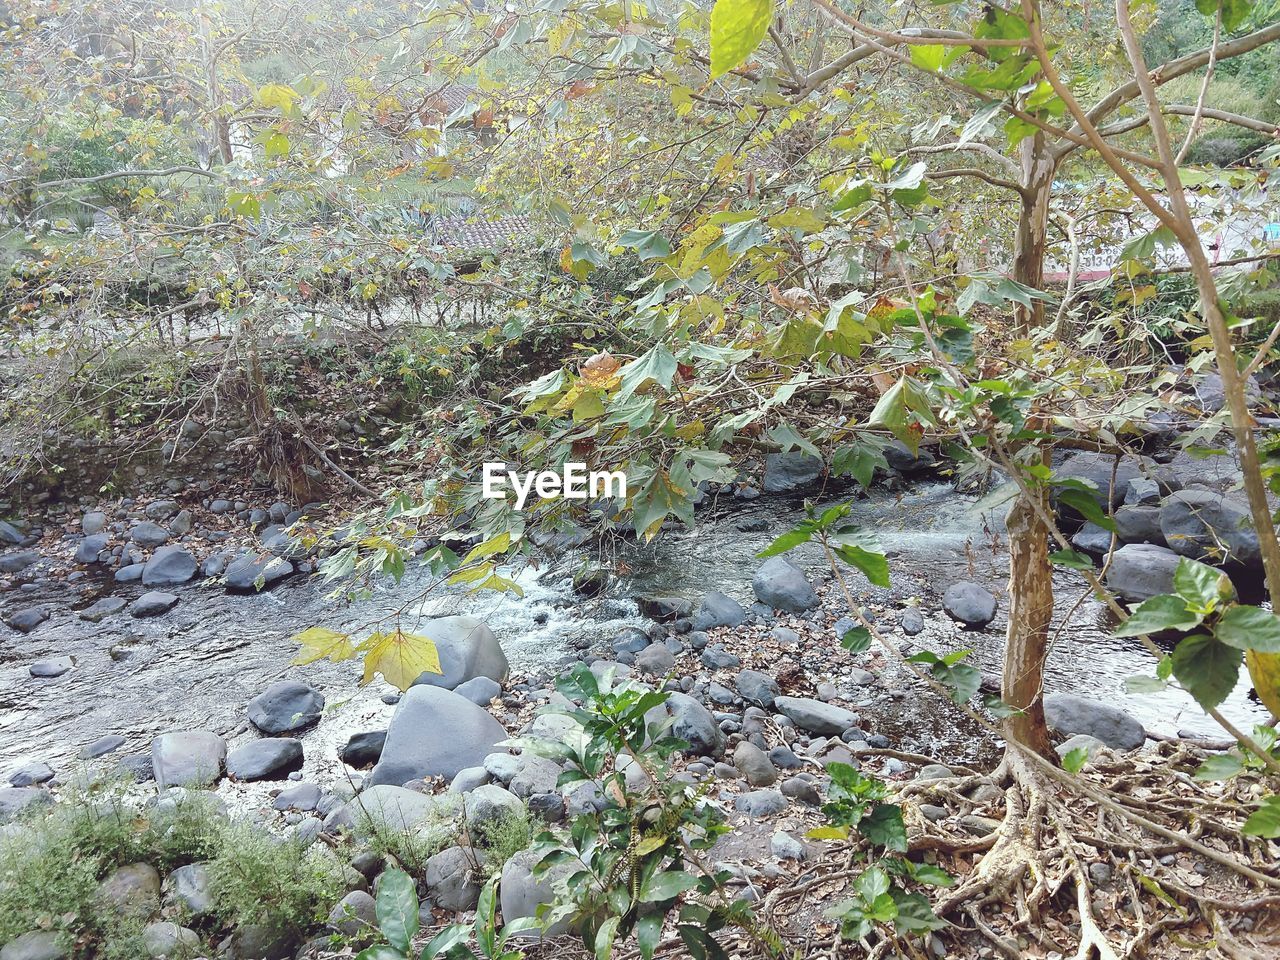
[[1030, 572], [1030, 614], [1038, 168]]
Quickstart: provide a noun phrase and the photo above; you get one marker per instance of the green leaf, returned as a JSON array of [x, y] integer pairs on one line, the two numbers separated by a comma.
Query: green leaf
[[737, 28], [874, 565], [648, 244], [604, 938], [873, 884], [1249, 628], [1207, 668], [915, 915], [1163, 612], [858, 460], [648, 934], [1073, 559], [1219, 766], [380, 951], [884, 827], [666, 885], [1201, 584], [657, 364], [397, 908], [1234, 12], [445, 940], [1141, 684], [929, 56], [1265, 821], [1085, 503], [788, 541], [856, 640], [1074, 760]]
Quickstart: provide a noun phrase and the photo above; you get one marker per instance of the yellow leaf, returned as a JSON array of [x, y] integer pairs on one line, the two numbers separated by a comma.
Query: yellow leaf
[[599, 370], [400, 657], [1264, 671], [828, 833], [319, 643]]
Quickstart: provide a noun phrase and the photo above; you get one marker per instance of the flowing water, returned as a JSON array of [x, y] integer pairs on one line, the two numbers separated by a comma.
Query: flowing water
[[197, 666]]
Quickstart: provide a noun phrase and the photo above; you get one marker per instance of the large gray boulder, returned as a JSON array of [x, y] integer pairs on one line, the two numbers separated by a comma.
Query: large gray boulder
[[268, 759], [255, 572], [782, 585], [88, 549], [188, 758], [384, 809], [969, 603], [435, 733], [718, 610], [1211, 396], [521, 893], [133, 888], [694, 723], [14, 801], [453, 878], [285, 706], [1097, 469], [36, 945], [148, 535], [1139, 523], [1068, 715], [467, 648], [1203, 525], [169, 565], [1140, 571], [814, 716], [785, 472]]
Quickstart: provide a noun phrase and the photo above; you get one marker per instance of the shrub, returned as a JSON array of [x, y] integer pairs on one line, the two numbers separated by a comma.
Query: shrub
[[504, 838]]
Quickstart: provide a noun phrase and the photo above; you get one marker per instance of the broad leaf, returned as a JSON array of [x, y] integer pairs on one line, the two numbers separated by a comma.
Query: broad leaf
[[1265, 821], [397, 908], [320, 643], [737, 27], [1163, 612], [1207, 668], [400, 657], [1249, 628]]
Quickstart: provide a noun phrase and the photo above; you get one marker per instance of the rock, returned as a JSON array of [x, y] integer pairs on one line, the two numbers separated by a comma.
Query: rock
[[18, 561], [255, 572], [354, 916], [1202, 525], [718, 610], [630, 640], [24, 621], [757, 687], [1139, 524], [814, 716], [797, 788], [467, 649], [149, 535], [900, 458], [469, 779], [786, 847], [31, 774], [257, 942], [161, 509], [760, 803], [487, 806], [655, 661], [1210, 395], [95, 521], [664, 609], [169, 565], [1140, 571], [503, 766], [1092, 539], [479, 690], [285, 706], [181, 524], [189, 758], [911, 621], [363, 749], [453, 879], [754, 766], [1096, 469], [521, 893], [786, 472], [53, 667], [1068, 714], [14, 801], [11, 534], [716, 657], [694, 723], [131, 573], [303, 798], [153, 604], [977, 825], [88, 550], [382, 807], [214, 565], [969, 603], [102, 746], [934, 771], [547, 807], [535, 775], [784, 758], [164, 940], [782, 585], [133, 888], [36, 945], [933, 813], [461, 734], [103, 608], [1081, 741], [266, 759]]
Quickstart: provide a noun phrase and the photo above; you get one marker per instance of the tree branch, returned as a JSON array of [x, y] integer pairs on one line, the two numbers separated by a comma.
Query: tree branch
[[121, 174], [977, 174], [988, 151]]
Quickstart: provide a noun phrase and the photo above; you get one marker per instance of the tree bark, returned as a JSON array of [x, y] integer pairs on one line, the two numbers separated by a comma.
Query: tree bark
[[1030, 615], [1038, 167]]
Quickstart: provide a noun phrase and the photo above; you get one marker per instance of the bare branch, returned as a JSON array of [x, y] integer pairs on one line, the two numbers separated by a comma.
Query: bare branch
[[978, 175], [122, 174], [988, 151]]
